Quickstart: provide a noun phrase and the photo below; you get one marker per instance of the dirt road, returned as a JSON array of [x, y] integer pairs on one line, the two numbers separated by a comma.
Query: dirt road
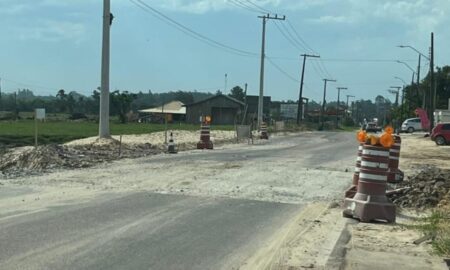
[[236, 207]]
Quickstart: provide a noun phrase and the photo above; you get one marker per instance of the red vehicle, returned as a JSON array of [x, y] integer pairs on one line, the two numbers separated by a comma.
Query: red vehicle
[[441, 133]]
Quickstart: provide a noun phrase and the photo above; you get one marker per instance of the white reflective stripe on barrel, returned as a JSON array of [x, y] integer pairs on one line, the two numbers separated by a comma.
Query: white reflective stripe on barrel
[[393, 157], [397, 144], [376, 153], [372, 176], [360, 147], [394, 150], [357, 169], [374, 164], [358, 158]]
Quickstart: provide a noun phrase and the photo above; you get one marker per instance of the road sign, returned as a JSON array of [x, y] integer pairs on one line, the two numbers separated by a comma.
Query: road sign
[[40, 114]]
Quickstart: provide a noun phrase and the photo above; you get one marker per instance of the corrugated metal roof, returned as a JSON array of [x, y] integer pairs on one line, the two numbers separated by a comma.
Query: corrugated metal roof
[[173, 107]]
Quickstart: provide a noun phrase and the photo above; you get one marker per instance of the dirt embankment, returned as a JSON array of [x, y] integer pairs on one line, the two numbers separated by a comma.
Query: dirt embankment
[[90, 151]]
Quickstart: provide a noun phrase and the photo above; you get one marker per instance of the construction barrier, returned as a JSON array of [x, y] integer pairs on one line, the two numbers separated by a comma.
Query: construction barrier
[[171, 146], [370, 201], [205, 137], [264, 133], [350, 193], [395, 174]]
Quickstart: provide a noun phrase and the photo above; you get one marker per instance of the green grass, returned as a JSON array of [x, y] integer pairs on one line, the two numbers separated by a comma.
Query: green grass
[[22, 132], [438, 225]]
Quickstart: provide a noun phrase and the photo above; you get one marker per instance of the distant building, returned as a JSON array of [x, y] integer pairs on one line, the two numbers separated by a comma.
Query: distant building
[[224, 110], [288, 110], [252, 107], [174, 112]]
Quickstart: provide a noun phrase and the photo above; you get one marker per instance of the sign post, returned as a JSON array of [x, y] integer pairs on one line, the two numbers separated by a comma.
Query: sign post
[[39, 114]]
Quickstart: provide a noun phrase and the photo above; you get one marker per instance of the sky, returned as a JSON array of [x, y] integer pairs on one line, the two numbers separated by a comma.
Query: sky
[[47, 45]]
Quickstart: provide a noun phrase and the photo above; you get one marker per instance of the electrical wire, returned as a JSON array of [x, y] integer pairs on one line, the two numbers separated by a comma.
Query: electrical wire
[[282, 71], [243, 5], [200, 37], [258, 6]]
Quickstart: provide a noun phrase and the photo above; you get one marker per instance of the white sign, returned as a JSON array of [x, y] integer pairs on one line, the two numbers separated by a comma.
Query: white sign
[[40, 114]]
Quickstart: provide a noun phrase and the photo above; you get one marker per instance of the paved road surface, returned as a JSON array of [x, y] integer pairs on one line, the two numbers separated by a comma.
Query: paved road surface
[[149, 230]]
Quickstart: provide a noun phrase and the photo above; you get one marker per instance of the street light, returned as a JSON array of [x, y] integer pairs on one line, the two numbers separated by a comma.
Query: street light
[[412, 48], [403, 98], [337, 106], [418, 70], [410, 68]]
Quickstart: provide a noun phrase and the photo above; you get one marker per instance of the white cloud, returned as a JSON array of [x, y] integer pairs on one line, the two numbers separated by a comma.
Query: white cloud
[[332, 19], [54, 31], [13, 8]]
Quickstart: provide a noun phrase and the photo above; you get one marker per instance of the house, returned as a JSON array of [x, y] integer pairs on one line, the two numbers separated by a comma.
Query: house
[[252, 107], [224, 110], [174, 111]]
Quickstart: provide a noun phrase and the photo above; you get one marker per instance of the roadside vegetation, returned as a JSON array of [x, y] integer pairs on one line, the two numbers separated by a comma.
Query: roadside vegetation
[[437, 228]]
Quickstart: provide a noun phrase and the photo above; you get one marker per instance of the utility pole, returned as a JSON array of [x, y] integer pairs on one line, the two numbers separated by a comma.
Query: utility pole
[[338, 103], [300, 98], [226, 81], [348, 96], [245, 102], [396, 92], [261, 75], [432, 85], [322, 111], [104, 94], [1, 105]]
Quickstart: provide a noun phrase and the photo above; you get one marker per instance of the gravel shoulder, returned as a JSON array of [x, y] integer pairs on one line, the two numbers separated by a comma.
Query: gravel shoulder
[[390, 246]]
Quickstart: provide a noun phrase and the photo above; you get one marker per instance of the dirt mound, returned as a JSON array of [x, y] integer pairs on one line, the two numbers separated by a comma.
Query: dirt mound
[[426, 189], [29, 160], [32, 159]]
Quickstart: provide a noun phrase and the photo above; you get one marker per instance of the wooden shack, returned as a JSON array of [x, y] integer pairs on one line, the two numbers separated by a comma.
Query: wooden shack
[[224, 110]]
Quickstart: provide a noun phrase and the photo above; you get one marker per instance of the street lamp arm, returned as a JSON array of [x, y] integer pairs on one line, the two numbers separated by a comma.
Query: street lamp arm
[[408, 66], [414, 49]]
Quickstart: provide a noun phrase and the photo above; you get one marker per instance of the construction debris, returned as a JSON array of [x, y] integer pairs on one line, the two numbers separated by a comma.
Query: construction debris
[[428, 188], [21, 161]]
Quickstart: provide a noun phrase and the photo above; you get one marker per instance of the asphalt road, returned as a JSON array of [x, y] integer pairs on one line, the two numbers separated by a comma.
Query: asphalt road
[[147, 230]]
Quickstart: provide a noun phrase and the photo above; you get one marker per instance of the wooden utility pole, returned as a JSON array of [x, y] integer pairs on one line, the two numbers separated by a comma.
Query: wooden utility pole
[[322, 111], [261, 75], [338, 103], [103, 130], [300, 98]]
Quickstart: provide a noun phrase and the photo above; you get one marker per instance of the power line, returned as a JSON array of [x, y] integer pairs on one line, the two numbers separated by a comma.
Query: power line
[[300, 38], [282, 71], [259, 7], [244, 6], [161, 16], [289, 39]]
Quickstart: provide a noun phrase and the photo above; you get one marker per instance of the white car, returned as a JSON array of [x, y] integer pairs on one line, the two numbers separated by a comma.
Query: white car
[[412, 124]]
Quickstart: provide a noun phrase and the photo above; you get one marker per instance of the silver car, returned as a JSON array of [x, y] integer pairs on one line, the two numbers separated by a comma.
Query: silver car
[[412, 124]]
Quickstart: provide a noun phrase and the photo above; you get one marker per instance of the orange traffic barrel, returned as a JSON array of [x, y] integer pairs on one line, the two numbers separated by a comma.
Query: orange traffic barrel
[[370, 201], [395, 174], [205, 137], [264, 132]]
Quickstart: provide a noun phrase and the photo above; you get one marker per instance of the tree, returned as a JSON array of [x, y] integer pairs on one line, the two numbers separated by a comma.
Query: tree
[[238, 93], [121, 104], [62, 100]]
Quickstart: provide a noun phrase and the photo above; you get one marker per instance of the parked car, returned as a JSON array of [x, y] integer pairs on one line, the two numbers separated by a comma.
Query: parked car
[[441, 134], [372, 127], [412, 124]]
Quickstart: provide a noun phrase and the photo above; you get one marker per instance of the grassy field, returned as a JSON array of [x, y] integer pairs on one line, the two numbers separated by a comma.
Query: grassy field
[[22, 132]]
